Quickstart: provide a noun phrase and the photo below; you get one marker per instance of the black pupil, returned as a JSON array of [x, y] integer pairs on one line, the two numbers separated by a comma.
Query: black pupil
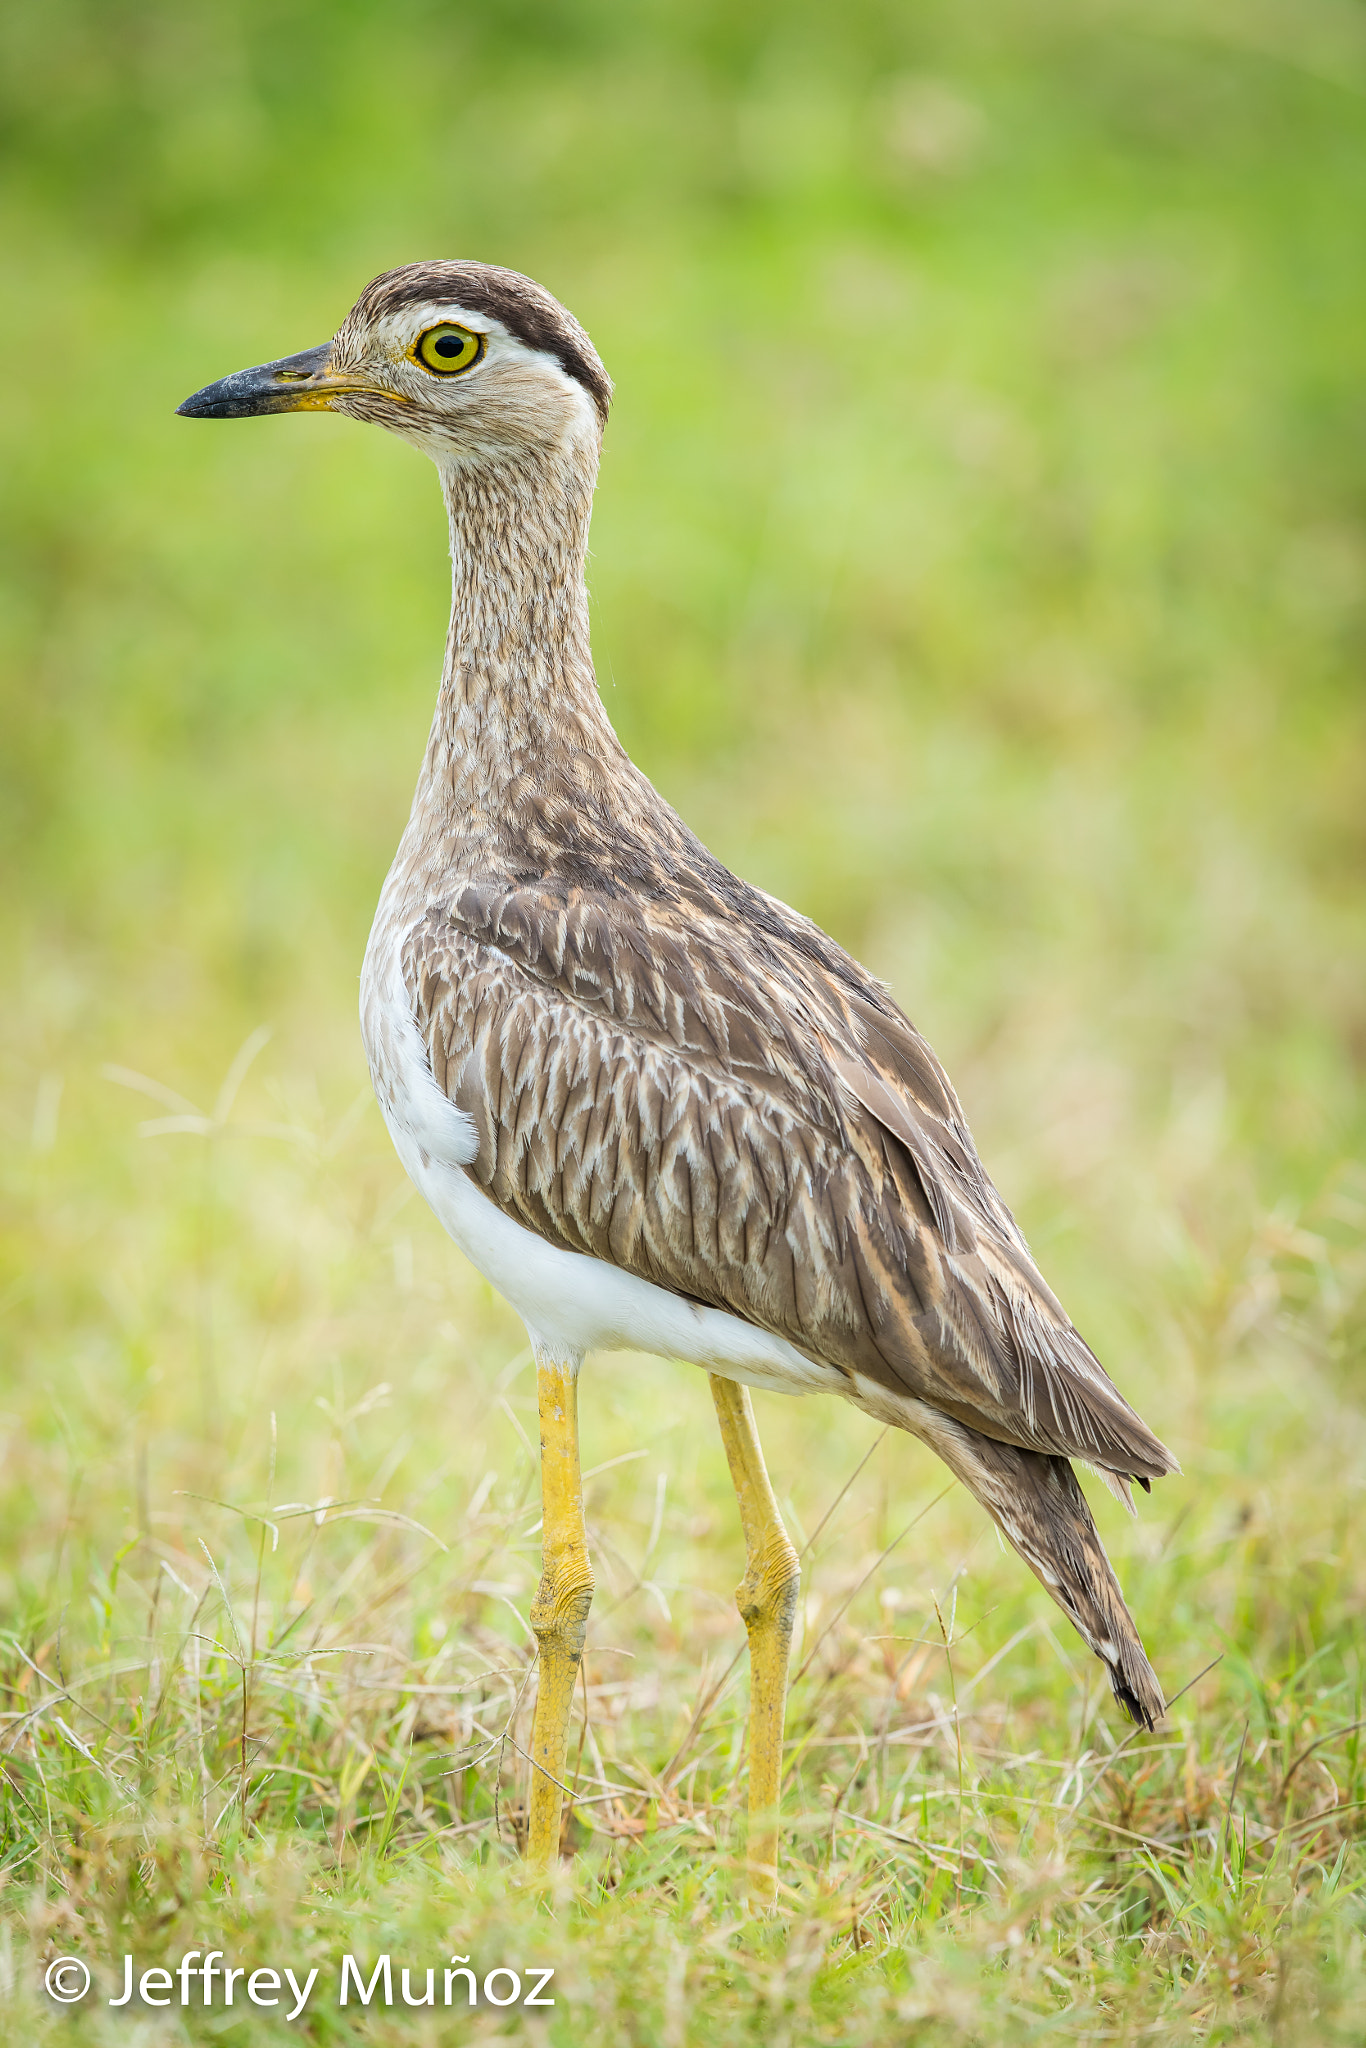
[[449, 344]]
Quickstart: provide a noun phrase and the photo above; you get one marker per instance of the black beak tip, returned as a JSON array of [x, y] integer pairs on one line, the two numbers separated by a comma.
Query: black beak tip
[[231, 398]]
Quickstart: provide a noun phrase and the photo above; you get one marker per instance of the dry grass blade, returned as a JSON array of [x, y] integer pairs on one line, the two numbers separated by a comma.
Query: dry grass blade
[[871, 1572]]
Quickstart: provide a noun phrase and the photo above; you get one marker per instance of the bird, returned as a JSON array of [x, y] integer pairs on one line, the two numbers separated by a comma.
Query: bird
[[659, 1110]]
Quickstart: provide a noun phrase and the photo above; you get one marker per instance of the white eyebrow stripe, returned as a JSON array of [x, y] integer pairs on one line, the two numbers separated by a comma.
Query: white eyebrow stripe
[[435, 312]]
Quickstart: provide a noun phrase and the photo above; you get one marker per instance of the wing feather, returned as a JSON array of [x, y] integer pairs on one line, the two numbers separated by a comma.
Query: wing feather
[[745, 1118]]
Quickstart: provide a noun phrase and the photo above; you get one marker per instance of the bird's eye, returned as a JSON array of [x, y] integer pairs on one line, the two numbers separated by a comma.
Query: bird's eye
[[447, 349]]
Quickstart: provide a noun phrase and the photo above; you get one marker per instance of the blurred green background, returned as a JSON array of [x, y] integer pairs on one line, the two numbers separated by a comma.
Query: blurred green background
[[979, 564], [979, 560]]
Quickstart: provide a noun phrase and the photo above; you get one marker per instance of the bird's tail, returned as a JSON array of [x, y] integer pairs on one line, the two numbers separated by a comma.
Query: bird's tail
[[1041, 1511]]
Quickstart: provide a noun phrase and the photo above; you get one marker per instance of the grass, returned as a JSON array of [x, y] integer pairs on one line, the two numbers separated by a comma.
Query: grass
[[980, 564]]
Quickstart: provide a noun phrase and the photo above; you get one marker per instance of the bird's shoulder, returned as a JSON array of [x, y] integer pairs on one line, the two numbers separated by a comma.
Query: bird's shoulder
[[652, 964], [651, 942]]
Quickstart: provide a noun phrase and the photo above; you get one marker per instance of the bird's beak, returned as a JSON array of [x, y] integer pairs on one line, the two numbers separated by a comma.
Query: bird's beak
[[303, 383]]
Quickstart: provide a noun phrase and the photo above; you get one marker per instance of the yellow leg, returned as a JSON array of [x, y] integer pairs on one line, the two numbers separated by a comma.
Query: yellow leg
[[559, 1613], [767, 1600]]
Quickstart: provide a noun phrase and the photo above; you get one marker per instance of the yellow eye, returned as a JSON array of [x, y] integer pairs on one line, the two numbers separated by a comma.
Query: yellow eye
[[447, 349]]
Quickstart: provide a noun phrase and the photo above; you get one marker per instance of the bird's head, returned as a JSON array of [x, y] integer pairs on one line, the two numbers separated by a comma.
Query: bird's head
[[470, 363]]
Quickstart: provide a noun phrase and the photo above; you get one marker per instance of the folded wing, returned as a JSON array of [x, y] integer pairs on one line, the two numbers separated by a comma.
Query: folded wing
[[755, 1126]]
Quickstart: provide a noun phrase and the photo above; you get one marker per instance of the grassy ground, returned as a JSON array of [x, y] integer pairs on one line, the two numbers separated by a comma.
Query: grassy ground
[[980, 564]]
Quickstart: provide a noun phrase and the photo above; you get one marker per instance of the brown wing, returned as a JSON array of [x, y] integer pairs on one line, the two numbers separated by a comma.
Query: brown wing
[[756, 1127]]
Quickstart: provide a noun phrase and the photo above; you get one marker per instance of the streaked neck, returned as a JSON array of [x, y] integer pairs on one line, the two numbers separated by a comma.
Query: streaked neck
[[518, 672]]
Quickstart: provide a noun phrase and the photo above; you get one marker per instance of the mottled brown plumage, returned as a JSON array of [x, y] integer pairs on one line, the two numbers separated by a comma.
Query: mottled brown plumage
[[651, 1064]]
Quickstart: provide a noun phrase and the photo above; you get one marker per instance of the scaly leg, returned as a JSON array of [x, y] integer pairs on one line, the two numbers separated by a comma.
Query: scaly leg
[[767, 1600], [559, 1613]]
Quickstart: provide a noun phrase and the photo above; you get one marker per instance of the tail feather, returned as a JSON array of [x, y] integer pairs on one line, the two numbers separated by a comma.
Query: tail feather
[[1042, 1512]]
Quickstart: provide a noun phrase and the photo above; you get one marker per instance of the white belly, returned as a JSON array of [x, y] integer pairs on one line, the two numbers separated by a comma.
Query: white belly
[[570, 1302]]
